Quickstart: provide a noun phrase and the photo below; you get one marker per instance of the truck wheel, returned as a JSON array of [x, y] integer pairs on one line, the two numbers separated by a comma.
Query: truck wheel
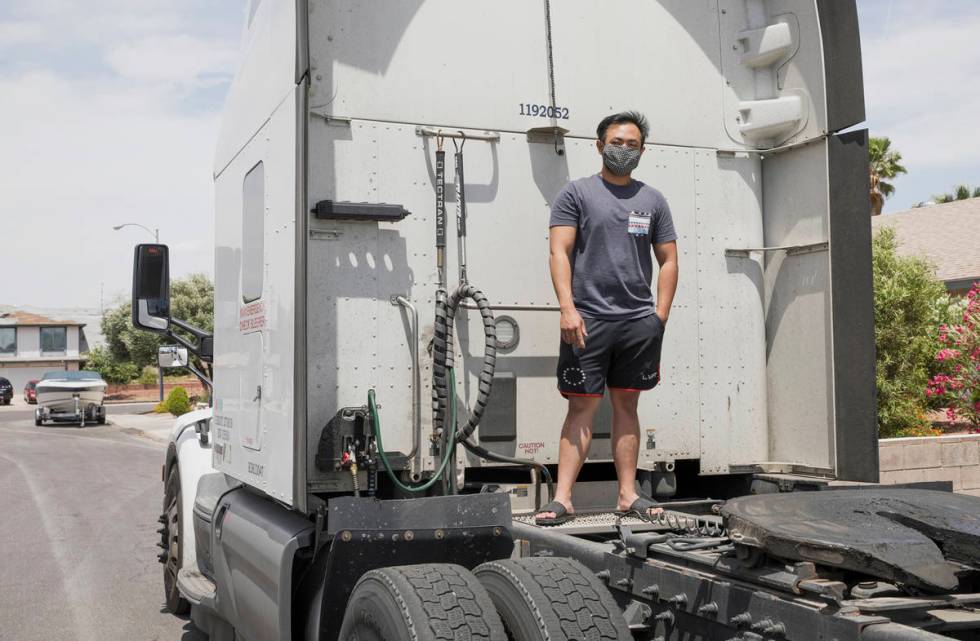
[[172, 543], [38, 421], [552, 598], [100, 416], [430, 602]]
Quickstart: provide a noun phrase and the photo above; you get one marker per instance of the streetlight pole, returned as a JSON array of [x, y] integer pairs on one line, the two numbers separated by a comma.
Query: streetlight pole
[[156, 237], [155, 231]]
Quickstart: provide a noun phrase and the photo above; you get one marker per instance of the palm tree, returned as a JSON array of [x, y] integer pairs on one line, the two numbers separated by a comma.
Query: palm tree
[[877, 200], [886, 163], [961, 192]]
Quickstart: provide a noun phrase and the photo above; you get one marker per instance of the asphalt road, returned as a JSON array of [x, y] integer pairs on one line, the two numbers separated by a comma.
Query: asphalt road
[[78, 519]]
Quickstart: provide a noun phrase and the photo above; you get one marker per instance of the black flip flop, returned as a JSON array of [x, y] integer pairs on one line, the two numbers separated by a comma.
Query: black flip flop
[[640, 508], [561, 514]]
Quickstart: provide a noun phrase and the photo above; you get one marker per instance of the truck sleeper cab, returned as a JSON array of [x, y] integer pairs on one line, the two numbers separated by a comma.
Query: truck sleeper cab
[[359, 333]]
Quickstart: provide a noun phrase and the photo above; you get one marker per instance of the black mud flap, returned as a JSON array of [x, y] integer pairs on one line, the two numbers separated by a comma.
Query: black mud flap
[[365, 533], [915, 537]]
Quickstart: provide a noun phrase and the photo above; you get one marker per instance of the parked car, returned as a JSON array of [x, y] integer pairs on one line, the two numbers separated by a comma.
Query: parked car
[[6, 391], [30, 392]]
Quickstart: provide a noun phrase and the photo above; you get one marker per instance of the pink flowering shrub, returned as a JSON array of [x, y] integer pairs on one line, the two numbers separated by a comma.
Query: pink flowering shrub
[[957, 385]]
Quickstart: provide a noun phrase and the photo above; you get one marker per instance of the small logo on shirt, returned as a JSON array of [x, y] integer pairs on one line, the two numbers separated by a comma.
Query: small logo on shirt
[[573, 376], [639, 223], [646, 377]]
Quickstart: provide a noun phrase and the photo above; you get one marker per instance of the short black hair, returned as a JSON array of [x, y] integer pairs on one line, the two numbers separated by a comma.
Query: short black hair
[[633, 117]]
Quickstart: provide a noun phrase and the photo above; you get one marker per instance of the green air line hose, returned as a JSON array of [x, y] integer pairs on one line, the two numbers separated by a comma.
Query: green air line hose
[[447, 455]]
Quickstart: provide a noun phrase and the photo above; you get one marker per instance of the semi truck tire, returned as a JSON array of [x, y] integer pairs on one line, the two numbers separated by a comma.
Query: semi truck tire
[[552, 598], [172, 542], [429, 602]]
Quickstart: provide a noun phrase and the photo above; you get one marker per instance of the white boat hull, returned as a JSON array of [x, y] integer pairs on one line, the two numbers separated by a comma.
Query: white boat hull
[[60, 396]]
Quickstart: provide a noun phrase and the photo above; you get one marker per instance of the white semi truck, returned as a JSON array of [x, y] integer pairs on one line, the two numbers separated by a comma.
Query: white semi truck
[[385, 418]]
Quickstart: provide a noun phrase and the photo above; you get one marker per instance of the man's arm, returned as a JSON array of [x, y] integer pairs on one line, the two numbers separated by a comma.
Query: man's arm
[[562, 241], [666, 254]]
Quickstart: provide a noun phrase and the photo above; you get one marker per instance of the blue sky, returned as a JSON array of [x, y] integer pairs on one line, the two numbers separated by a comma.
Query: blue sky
[[109, 112], [920, 63]]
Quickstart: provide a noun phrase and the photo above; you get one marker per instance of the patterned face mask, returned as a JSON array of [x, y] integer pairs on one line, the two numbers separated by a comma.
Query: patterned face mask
[[620, 160]]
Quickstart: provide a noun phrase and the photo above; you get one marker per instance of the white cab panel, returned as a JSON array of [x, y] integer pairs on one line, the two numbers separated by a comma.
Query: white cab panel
[[720, 74], [359, 340], [265, 77], [254, 341], [193, 462]]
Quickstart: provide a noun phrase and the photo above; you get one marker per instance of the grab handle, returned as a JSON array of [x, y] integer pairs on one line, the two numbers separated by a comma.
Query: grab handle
[[416, 378]]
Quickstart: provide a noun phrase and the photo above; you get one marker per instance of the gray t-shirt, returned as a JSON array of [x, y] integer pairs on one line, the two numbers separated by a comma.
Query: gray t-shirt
[[612, 264]]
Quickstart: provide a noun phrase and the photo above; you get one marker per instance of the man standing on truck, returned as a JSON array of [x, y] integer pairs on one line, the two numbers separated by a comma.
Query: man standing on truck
[[602, 231]]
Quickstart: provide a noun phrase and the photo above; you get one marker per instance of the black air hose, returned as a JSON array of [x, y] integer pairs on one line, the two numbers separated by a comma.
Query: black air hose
[[444, 358], [478, 450]]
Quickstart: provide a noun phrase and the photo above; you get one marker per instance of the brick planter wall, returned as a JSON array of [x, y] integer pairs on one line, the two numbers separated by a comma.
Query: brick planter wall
[[136, 391], [935, 458]]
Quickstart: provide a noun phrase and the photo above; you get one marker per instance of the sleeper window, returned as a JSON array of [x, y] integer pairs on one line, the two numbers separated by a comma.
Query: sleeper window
[[253, 233]]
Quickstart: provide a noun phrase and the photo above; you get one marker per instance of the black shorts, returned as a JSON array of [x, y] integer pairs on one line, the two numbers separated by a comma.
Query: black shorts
[[619, 354]]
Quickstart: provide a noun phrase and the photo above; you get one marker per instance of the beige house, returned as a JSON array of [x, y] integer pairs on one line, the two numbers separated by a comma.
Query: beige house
[[948, 235], [31, 344]]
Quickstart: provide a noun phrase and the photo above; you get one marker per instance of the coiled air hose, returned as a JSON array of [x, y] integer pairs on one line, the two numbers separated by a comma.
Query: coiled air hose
[[444, 359], [443, 367]]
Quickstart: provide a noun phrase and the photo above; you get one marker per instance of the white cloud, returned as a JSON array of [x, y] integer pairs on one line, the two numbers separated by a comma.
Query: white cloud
[[18, 33], [921, 87], [178, 59]]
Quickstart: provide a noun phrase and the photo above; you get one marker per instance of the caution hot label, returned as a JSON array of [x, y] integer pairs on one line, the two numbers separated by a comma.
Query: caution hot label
[[251, 317], [530, 447]]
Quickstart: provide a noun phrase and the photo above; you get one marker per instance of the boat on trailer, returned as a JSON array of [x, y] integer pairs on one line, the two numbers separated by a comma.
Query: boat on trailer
[[71, 397]]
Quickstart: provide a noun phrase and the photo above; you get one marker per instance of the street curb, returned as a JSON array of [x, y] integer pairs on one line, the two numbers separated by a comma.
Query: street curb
[[133, 431], [156, 428]]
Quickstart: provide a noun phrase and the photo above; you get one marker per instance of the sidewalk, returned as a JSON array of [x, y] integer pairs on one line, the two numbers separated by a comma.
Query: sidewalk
[[155, 427]]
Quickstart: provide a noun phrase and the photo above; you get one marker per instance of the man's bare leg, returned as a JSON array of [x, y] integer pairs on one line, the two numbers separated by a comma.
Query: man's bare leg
[[576, 437], [626, 446]]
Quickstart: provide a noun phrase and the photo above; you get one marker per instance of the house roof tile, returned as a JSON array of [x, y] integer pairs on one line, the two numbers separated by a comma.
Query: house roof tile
[[27, 319], [947, 235]]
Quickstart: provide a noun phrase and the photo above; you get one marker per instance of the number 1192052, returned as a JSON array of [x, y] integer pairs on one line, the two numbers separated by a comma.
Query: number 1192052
[[543, 111]]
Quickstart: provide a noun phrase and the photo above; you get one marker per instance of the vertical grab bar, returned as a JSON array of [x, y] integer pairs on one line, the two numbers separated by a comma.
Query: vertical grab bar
[[416, 381]]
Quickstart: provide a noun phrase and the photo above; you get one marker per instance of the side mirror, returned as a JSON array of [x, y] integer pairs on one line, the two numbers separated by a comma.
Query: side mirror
[[151, 288], [172, 356]]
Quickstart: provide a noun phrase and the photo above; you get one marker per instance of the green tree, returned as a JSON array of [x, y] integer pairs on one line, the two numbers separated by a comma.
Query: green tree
[[100, 360], [191, 300], [125, 343], [908, 308], [886, 164], [149, 376]]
